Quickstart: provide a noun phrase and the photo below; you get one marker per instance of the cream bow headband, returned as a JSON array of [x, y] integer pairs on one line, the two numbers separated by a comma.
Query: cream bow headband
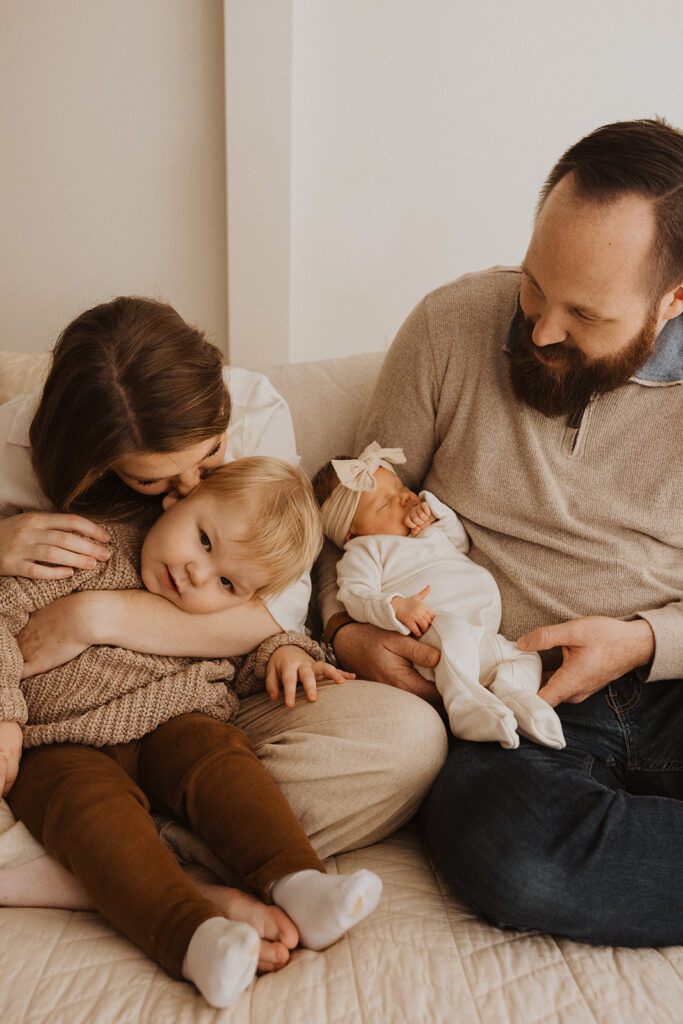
[[355, 477]]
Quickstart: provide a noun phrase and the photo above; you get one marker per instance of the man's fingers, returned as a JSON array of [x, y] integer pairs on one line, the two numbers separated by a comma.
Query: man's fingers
[[420, 653], [561, 686], [545, 637], [409, 679]]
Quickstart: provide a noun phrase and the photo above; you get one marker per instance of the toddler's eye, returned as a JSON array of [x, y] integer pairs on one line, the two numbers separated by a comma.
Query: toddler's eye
[[225, 582], [204, 540]]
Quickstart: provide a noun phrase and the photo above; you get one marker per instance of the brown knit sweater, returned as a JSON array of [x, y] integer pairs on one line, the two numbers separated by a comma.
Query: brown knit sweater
[[109, 694]]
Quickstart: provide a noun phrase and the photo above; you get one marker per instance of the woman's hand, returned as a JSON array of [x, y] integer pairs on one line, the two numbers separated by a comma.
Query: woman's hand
[[61, 631], [67, 542], [10, 754], [290, 665]]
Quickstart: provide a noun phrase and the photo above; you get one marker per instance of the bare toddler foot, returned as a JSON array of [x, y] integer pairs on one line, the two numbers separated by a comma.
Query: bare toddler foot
[[277, 932]]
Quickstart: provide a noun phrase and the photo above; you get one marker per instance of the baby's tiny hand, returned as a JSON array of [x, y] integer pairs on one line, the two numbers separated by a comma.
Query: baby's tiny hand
[[290, 665], [418, 517], [413, 612]]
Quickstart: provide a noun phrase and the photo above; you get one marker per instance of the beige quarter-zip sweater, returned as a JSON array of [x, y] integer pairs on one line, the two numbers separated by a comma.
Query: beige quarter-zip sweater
[[571, 521]]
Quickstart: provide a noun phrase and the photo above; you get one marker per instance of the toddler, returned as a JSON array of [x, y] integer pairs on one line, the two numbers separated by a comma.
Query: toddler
[[405, 567], [115, 733]]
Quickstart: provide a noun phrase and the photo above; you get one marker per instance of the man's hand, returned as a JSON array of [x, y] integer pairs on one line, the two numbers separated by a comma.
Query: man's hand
[[412, 612], [10, 754], [290, 665], [386, 657], [595, 651], [418, 517], [59, 632]]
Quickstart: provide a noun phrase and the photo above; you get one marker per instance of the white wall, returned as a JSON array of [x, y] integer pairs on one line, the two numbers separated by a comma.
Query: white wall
[[421, 132], [112, 161], [376, 149]]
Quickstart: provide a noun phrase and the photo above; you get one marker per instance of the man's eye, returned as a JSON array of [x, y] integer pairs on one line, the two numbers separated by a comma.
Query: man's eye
[[204, 540], [225, 582]]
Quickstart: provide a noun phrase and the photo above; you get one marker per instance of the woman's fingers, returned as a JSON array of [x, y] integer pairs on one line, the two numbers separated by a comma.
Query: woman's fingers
[[65, 541]]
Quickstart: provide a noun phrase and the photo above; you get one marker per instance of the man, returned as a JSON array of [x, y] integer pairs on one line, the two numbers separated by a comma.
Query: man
[[546, 407]]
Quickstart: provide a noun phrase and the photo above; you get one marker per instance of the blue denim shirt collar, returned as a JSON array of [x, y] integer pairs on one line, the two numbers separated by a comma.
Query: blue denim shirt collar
[[665, 365]]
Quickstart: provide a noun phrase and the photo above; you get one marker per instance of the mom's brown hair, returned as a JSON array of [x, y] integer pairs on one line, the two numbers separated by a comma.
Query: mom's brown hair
[[126, 377]]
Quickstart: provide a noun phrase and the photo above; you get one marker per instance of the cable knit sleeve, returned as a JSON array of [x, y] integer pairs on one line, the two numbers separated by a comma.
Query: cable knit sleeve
[[252, 674], [12, 703]]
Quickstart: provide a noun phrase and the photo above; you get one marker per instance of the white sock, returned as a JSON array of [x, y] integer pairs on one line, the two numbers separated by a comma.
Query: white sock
[[323, 907], [221, 959]]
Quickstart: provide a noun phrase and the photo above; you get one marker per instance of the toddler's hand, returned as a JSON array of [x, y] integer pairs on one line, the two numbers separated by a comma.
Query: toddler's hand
[[418, 517], [10, 754], [413, 612], [291, 665]]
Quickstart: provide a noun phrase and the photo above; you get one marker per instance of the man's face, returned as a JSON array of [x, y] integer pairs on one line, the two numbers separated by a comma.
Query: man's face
[[195, 555], [586, 323]]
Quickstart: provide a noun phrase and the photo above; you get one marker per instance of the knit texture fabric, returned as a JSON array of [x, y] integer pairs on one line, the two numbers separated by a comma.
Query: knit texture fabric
[[570, 520], [108, 694]]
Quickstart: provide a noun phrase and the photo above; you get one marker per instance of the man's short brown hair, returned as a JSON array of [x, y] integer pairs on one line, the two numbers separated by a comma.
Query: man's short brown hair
[[641, 158]]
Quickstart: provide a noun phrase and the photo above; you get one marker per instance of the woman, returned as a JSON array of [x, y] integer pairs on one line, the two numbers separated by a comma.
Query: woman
[[139, 403]]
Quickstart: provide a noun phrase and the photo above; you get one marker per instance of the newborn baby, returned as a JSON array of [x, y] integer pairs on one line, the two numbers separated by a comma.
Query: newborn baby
[[405, 567]]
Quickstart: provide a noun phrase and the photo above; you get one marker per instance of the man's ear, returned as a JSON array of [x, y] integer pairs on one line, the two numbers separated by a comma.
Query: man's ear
[[672, 303]]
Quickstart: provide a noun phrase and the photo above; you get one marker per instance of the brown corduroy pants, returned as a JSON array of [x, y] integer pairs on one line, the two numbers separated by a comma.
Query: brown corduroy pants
[[90, 809]]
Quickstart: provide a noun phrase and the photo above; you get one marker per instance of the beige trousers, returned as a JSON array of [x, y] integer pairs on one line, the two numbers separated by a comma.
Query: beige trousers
[[354, 766]]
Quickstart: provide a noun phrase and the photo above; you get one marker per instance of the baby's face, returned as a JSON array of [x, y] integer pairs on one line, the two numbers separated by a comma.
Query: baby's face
[[196, 557], [384, 509]]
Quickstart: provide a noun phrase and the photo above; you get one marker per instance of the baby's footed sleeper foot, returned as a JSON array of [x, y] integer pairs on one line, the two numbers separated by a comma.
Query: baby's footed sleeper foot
[[482, 718], [324, 907], [535, 718]]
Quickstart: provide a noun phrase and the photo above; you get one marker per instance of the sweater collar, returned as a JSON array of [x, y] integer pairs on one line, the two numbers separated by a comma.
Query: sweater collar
[[665, 365]]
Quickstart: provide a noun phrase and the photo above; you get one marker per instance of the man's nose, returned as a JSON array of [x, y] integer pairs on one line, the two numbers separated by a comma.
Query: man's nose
[[187, 481], [548, 330]]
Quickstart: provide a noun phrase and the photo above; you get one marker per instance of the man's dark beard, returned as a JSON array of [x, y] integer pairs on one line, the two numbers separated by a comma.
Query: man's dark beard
[[565, 386]]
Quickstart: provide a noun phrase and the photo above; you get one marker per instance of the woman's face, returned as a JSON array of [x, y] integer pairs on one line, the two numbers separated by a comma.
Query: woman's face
[[172, 474]]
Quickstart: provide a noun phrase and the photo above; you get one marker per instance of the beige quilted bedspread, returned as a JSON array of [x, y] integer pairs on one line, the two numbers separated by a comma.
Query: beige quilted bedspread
[[421, 958]]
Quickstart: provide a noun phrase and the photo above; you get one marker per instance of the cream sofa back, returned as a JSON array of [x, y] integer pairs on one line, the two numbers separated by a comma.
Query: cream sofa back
[[326, 398]]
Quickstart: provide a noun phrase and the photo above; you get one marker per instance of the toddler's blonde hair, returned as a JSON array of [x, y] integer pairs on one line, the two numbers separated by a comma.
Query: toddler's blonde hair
[[285, 532]]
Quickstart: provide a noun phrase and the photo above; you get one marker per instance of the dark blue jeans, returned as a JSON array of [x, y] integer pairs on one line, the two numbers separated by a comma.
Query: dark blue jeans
[[585, 842]]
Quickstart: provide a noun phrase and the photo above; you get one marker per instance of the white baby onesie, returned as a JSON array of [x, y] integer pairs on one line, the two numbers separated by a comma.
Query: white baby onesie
[[489, 687]]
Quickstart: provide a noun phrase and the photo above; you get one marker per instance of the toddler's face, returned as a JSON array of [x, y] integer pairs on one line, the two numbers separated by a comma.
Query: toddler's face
[[196, 557], [384, 509]]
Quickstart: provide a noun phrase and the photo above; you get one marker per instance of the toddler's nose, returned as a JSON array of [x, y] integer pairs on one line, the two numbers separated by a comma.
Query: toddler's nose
[[197, 574]]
